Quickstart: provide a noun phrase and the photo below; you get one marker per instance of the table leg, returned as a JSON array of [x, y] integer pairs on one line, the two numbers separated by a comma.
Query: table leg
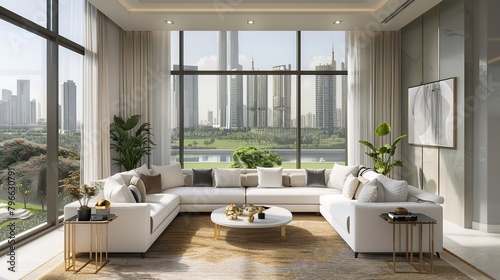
[[432, 247], [283, 232], [420, 253], [394, 247], [73, 246]]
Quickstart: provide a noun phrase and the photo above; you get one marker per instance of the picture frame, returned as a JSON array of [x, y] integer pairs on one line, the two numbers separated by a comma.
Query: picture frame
[[432, 114]]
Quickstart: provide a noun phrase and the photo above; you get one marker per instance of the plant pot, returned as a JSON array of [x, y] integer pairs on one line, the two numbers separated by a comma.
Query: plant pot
[[83, 214]]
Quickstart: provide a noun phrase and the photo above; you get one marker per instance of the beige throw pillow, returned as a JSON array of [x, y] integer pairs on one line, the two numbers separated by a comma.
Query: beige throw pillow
[[136, 181], [350, 187], [339, 174], [171, 175]]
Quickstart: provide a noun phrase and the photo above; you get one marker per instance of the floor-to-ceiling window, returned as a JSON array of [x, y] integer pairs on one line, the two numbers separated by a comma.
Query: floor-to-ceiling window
[[266, 89], [41, 80]]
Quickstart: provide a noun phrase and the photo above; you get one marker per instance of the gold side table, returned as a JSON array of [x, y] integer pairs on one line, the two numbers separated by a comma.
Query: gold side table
[[101, 235], [409, 225]]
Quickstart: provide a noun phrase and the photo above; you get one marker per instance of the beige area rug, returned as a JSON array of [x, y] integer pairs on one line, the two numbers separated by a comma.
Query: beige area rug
[[313, 250]]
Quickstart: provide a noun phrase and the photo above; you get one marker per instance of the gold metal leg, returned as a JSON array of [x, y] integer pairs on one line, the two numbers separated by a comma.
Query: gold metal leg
[[432, 247], [283, 232], [216, 231], [394, 247], [73, 246], [420, 253]]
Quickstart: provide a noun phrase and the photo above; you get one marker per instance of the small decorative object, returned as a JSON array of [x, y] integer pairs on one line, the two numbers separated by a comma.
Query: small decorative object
[[102, 207], [250, 210], [261, 215], [83, 194], [232, 211], [401, 211]]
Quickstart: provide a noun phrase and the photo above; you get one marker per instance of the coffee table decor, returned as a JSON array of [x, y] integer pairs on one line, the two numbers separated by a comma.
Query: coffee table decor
[[232, 211], [250, 210]]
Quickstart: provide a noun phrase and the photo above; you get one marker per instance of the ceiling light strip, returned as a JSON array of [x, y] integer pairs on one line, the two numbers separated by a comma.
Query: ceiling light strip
[[397, 11]]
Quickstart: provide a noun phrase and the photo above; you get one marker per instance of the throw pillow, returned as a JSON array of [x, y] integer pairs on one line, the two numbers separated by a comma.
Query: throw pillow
[[270, 177], [136, 181], [362, 182], [135, 192], [350, 187], [202, 177], [171, 175], [114, 191], [143, 169], [315, 178], [227, 178], [372, 192], [152, 182], [394, 190], [339, 174]]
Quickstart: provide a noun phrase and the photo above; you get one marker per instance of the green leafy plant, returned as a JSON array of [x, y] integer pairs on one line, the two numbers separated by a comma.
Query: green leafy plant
[[382, 157], [251, 157], [130, 146], [83, 194]]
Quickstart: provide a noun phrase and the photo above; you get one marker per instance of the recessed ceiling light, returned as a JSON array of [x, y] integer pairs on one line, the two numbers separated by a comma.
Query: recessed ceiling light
[[250, 22], [169, 22], [337, 22]]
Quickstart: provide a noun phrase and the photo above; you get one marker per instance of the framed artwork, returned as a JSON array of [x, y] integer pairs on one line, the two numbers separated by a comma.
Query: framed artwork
[[432, 114]]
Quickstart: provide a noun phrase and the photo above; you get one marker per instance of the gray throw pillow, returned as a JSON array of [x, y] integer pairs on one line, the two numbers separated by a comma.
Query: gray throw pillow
[[315, 178], [202, 177]]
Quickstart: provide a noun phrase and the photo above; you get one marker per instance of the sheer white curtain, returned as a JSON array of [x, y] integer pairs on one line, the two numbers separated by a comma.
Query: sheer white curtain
[[374, 92], [95, 154], [144, 84]]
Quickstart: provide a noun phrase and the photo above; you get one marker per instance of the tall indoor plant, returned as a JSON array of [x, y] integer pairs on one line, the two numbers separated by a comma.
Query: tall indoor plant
[[130, 146], [382, 157]]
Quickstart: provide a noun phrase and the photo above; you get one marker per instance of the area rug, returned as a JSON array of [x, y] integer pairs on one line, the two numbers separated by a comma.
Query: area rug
[[313, 250]]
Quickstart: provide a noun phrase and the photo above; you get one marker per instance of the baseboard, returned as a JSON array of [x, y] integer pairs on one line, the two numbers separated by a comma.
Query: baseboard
[[486, 227]]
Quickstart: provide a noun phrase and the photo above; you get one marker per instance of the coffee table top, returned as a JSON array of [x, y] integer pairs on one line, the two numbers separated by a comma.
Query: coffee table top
[[275, 216]]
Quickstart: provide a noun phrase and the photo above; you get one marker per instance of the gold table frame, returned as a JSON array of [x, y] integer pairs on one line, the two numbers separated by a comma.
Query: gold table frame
[[421, 220], [70, 243]]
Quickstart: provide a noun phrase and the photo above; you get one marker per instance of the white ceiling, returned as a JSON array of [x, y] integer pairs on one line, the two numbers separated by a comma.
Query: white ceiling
[[267, 14]]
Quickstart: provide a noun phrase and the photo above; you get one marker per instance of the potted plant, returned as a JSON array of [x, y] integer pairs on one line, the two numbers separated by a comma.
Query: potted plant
[[83, 194], [130, 146], [382, 157]]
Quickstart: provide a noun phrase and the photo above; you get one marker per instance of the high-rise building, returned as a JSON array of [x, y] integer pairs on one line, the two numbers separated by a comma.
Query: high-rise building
[[23, 98], [33, 106], [338, 117], [282, 97], [343, 124], [190, 94], [69, 107], [326, 99], [210, 117], [5, 107], [230, 92], [257, 100]]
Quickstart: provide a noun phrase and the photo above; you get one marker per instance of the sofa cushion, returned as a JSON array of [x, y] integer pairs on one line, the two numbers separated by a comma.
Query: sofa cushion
[[315, 178], [421, 195], [339, 174], [373, 191], [115, 192], [202, 177], [208, 195], [161, 204], [284, 196], [171, 175], [135, 193], [227, 178], [297, 180], [394, 190], [136, 181], [270, 177], [152, 183], [350, 187], [143, 169], [250, 180]]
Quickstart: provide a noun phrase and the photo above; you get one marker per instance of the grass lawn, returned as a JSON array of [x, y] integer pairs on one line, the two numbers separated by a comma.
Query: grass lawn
[[20, 205], [286, 165]]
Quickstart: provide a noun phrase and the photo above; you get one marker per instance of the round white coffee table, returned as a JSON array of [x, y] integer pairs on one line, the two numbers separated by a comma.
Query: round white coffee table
[[275, 217]]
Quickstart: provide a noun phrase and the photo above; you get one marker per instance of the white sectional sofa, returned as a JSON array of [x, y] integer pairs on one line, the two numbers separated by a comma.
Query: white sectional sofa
[[139, 224]]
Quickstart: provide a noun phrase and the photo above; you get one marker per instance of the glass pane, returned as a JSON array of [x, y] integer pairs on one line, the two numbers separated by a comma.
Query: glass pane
[[256, 111], [34, 10], [240, 50], [319, 46], [323, 120], [23, 130], [71, 19], [174, 48], [174, 121], [70, 123]]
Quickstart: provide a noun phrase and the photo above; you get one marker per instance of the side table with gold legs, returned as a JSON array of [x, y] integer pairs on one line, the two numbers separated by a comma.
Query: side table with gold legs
[[409, 225], [98, 230]]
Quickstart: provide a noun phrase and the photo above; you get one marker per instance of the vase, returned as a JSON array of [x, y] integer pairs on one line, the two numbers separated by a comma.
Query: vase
[[83, 214]]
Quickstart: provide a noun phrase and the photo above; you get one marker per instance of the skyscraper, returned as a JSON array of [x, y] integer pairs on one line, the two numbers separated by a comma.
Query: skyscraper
[[326, 99], [23, 98], [5, 107], [33, 106], [282, 97], [230, 93], [190, 97], [257, 100], [69, 107]]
